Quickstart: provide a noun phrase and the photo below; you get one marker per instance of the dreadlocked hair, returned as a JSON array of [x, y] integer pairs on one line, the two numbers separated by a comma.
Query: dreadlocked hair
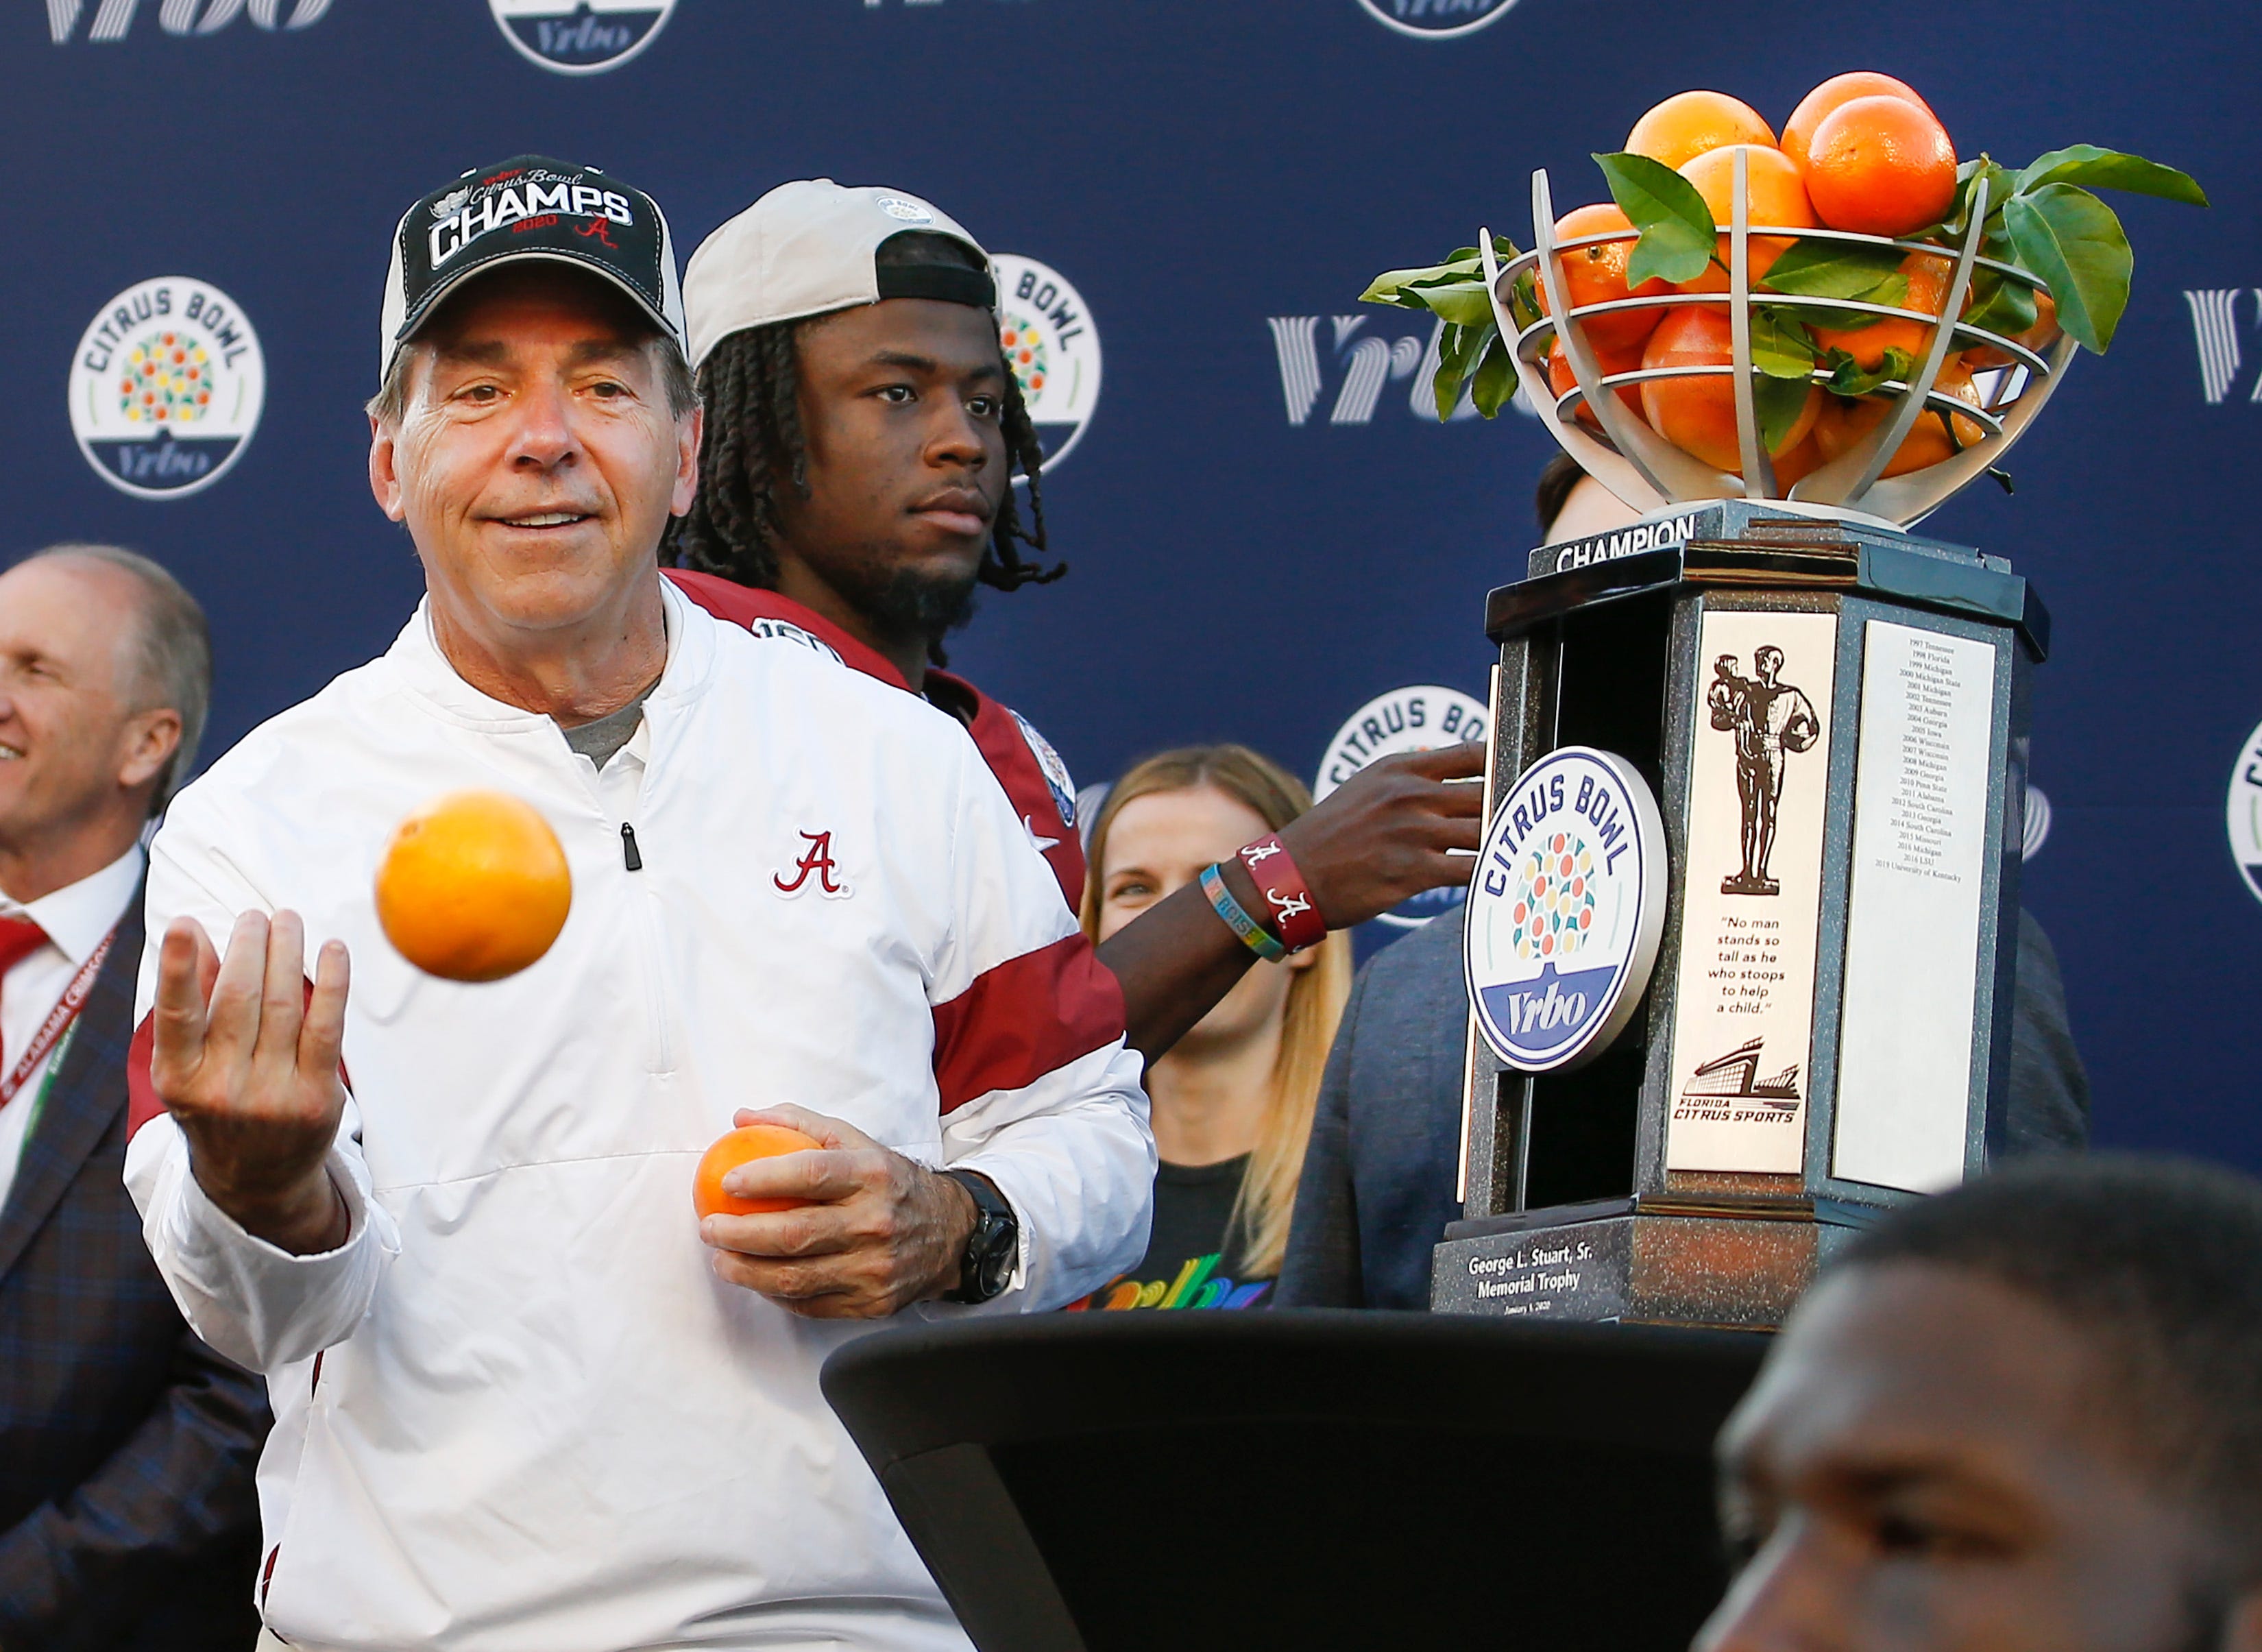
[[750, 384]]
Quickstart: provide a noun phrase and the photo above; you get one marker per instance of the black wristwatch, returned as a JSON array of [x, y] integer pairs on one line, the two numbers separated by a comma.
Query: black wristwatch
[[987, 1266]]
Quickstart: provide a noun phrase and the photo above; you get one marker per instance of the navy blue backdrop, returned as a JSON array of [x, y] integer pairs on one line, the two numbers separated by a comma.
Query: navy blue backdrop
[[1254, 555]]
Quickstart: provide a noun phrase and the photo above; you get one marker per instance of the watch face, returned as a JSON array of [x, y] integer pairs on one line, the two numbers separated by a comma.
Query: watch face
[[997, 1246]]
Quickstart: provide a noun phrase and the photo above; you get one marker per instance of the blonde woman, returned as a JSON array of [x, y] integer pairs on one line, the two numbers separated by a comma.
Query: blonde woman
[[1233, 1100]]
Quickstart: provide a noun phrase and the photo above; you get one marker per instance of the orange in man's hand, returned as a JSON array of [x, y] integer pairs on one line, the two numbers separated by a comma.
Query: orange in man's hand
[[1688, 123], [747, 1141], [1881, 166], [473, 887]]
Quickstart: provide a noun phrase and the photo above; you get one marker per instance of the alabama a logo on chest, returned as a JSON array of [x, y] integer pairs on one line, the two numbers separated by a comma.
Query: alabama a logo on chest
[[811, 866]]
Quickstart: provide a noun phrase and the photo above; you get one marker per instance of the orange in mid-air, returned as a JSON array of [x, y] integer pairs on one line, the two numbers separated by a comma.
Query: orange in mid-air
[[1881, 166], [1597, 275], [1798, 131], [473, 886], [1688, 123], [747, 1141], [1697, 413]]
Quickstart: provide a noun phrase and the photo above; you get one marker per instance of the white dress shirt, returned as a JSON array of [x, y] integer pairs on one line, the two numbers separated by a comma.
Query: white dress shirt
[[76, 917]]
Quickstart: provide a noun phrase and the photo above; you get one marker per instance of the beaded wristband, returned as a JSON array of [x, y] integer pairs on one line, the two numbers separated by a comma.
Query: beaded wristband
[[1295, 913], [1251, 932]]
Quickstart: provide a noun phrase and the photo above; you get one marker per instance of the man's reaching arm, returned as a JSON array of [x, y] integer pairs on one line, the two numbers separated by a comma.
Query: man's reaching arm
[[1386, 834]]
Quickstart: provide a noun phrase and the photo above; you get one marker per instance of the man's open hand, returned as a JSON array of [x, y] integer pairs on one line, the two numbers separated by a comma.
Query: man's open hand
[[1388, 833], [879, 1230], [247, 1060]]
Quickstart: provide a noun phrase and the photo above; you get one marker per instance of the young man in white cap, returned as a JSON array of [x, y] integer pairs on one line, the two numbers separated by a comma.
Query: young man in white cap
[[863, 426], [524, 1399]]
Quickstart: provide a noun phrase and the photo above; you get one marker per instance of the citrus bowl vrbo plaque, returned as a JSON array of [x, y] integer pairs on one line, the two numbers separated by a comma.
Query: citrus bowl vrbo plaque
[[1565, 910]]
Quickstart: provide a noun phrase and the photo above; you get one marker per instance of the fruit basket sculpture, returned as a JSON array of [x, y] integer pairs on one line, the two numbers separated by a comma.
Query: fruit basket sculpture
[[1647, 472], [1844, 320]]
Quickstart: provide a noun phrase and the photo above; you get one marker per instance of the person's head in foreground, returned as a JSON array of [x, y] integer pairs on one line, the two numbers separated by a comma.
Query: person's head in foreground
[[864, 426], [1243, 1081], [537, 427], [2026, 1413]]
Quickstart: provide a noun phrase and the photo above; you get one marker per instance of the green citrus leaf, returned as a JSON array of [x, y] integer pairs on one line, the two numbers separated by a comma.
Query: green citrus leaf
[[2001, 185], [1463, 306], [1818, 269], [1778, 402], [2000, 303], [1676, 227], [1847, 378], [2086, 164], [1780, 348], [1457, 353], [2073, 241], [1494, 383]]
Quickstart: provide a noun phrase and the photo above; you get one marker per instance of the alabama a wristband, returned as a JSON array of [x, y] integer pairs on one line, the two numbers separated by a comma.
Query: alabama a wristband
[[1293, 912], [1251, 932]]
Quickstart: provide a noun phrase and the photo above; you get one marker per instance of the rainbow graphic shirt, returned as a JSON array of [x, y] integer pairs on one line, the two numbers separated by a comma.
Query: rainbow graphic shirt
[[1192, 1260]]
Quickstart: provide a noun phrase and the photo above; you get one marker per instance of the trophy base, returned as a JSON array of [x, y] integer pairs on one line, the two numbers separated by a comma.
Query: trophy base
[[1725, 1264]]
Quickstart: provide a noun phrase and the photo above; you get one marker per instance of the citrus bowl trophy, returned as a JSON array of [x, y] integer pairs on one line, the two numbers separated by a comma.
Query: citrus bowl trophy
[[1742, 934]]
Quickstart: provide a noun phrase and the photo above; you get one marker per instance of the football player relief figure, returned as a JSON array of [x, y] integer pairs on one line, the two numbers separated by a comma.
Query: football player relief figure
[[1771, 720]]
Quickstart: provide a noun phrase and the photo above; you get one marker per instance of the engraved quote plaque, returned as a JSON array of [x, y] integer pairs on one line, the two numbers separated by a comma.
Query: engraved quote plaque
[[1743, 1022]]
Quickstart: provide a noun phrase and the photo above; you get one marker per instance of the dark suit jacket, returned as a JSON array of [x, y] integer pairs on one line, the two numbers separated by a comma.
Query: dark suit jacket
[[128, 1518], [1377, 1188]]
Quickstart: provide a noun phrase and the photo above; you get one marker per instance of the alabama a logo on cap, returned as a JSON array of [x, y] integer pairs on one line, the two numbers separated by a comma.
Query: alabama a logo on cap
[[1437, 19], [167, 387], [1566, 910], [581, 37], [2244, 811], [1420, 719], [1049, 339]]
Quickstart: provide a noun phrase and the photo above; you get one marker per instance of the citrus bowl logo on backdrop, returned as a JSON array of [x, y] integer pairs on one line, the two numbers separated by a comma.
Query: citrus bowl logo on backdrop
[[1412, 719], [2245, 812], [1437, 20], [581, 37], [1566, 910], [1053, 347], [167, 387]]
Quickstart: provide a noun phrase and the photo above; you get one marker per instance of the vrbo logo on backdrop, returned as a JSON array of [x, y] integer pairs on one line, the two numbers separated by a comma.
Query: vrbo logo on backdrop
[[579, 37], [113, 18], [1437, 20], [1360, 366], [2215, 327]]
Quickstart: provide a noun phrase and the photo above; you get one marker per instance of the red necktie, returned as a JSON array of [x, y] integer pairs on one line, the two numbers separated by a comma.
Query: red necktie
[[19, 938]]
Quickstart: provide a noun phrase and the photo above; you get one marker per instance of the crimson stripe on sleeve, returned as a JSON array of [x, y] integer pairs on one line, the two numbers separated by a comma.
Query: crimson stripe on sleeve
[[1027, 1017], [142, 1102]]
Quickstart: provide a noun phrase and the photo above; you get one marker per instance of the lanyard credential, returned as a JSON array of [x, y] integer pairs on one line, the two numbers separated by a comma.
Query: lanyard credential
[[58, 1022]]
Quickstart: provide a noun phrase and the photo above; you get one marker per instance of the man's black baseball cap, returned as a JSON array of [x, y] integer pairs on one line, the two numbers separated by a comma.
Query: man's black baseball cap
[[528, 207]]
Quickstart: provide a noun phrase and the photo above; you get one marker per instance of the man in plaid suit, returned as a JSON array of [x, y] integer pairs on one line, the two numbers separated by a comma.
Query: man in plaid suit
[[127, 1515]]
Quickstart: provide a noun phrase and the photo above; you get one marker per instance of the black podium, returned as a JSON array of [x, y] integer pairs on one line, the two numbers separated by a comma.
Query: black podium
[[1295, 1480]]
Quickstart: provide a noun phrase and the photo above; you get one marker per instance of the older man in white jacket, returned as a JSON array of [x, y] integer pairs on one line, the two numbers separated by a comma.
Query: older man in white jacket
[[525, 1399]]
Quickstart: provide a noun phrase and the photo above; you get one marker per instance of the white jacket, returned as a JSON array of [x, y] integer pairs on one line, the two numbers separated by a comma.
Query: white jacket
[[515, 1409]]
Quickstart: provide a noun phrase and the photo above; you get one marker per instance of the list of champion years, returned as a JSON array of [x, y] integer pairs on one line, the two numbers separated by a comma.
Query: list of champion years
[[1920, 812]]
